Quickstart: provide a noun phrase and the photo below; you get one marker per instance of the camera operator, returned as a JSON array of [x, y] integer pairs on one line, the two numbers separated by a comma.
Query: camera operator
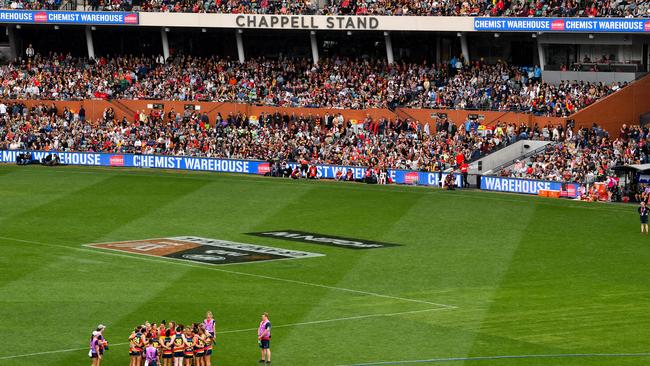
[[51, 160], [450, 182], [23, 158], [285, 170]]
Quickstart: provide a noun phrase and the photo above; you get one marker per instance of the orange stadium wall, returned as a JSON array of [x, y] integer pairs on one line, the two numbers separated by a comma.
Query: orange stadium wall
[[622, 107], [127, 108]]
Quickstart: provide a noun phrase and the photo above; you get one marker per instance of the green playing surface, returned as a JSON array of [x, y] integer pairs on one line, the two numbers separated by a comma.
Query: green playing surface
[[476, 276]]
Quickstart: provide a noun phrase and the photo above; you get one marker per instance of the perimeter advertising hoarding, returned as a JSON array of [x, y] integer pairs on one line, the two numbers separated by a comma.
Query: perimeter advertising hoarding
[[527, 186], [69, 17], [565, 25], [218, 165]]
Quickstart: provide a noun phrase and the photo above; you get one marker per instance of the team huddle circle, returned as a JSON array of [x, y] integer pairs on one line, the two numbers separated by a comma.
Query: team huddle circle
[[171, 343]]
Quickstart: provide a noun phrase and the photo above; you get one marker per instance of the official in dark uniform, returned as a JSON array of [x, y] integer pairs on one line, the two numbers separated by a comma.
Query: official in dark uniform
[[643, 215]]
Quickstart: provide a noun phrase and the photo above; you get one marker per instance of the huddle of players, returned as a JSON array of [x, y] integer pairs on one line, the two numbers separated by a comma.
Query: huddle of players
[[164, 343]]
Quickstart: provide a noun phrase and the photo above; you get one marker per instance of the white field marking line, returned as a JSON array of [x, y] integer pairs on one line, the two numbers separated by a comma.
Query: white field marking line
[[502, 357], [183, 263], [248, 330]]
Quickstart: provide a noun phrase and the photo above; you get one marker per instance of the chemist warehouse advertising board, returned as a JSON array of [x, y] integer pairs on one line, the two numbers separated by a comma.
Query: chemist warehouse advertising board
[[68, 17], [218, 165], [527, 186], [565, 25]]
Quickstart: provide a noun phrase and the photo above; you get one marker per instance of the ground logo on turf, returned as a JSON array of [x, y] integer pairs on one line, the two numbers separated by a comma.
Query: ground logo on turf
[[204, 250], [331, 240]]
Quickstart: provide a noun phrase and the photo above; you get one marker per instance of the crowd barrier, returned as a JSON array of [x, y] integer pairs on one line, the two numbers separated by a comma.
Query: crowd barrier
[[220, 165], [529, 186]]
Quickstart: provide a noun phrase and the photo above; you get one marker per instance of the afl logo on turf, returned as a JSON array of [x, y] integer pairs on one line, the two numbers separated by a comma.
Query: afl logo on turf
[[557, 25], [204, 250]]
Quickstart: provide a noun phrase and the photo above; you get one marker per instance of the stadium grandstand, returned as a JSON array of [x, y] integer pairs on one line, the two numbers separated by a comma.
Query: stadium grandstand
[[147, 144], [500, 8]]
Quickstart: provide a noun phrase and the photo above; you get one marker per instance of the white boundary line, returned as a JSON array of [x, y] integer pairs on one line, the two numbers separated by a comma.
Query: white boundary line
[[438, 306], [183, 263], [501, 357], [247, 330]]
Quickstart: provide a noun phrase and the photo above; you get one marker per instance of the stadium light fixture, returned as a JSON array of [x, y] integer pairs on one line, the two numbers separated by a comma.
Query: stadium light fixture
[[496, 35], [534, 35], [591, 36], [349, 33], [166, 29], [203, 30], [93, 28], [56, 27], [18, 26], [458, 34]]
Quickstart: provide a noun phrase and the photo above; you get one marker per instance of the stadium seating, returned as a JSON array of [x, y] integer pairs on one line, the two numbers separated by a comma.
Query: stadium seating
[[584, 157], [504, 8], [336, 83], [396, 144]]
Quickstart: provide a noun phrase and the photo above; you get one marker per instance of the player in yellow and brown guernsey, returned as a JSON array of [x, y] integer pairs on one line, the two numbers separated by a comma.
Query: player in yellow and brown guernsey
[[166, 346], [136, 346], [188, 353], [178, 346]]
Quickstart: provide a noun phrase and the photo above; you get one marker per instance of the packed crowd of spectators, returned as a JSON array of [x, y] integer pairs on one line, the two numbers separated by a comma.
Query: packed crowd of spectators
[[30, 4], [505, 8], [335, 83], [586, 156], [327, 139]]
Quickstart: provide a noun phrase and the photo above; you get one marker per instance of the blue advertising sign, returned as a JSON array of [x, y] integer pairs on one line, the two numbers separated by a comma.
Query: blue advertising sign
[[574, 25], [221, 165], [68, 17], [526, 186]]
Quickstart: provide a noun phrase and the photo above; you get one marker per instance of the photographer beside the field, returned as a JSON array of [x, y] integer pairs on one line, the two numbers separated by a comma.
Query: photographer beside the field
[[51, 160], [450, 182], [23, 158]]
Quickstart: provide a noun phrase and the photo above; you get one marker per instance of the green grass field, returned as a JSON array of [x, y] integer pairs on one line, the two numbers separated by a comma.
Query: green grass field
[[477, 274]]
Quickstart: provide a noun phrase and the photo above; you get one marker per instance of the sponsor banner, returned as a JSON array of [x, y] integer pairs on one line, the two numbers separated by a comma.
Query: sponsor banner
[[204, 250], [436, 179], [308, 22], [116, 160], [68, 17], [220, 165], [527, 186], [313, 238], [644, 178], [264, 21], [571, 25]]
